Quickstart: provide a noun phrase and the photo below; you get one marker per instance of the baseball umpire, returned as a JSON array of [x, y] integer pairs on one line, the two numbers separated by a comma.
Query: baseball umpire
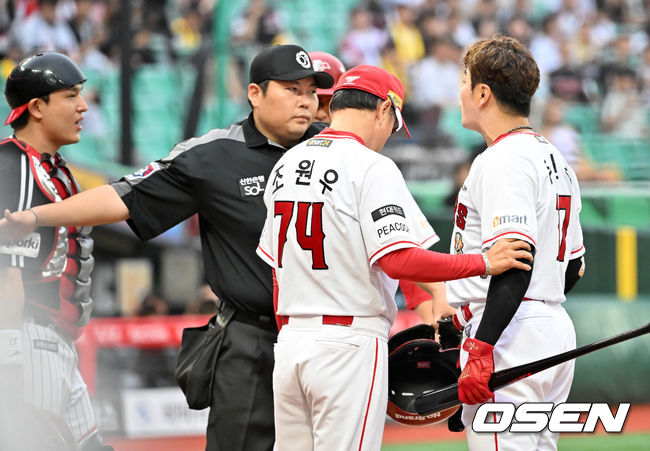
[[45, 276], [222, 176]]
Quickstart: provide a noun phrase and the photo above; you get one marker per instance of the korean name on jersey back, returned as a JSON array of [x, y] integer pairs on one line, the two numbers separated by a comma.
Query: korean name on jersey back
[[26, 247]]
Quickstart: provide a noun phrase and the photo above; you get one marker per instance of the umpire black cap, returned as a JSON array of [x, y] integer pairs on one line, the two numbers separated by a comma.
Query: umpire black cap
[[287, 63], [37, 76]]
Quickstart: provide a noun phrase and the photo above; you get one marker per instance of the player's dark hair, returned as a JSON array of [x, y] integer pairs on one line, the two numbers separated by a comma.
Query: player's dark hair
[[22, 120], [264, 85], [508, 68], [354, 98]]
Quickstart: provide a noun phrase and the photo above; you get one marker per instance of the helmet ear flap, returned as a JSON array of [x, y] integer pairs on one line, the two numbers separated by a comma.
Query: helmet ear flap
[[418, 365]]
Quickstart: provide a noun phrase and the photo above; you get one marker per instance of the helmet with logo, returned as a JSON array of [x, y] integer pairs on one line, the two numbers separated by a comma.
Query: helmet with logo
[[37, 76], [327, 63], [418, 365]]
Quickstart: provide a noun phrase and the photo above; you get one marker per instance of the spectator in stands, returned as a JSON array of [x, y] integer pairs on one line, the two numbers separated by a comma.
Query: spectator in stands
[[623, 112], [187, 29], [566, 82], [363, 43], [89, 34], [258, 25], [518, 27], [545, 46], [43, 30], [568, 142], [441, 64], [406, 36]]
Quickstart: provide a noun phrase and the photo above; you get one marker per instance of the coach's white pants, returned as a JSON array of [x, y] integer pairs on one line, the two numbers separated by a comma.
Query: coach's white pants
[[538, 330], [330, 385]]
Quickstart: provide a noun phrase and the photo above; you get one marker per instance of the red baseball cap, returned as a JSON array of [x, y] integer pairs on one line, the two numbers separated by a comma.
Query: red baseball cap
[[379, 82]]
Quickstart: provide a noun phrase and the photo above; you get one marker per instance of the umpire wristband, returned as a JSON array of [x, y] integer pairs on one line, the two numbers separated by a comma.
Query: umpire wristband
[[487, 266], [11, 347]]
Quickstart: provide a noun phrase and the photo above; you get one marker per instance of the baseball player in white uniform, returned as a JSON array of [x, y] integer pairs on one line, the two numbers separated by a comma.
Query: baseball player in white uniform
[[341, 227], [521, 188]]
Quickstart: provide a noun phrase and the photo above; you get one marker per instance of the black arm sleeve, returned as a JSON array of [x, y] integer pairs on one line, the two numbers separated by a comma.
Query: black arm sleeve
[[503, 298], [572, 274]]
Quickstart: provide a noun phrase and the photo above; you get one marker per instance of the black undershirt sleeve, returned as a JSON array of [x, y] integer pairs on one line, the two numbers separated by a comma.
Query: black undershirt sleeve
[[503, 298], [572, 274]]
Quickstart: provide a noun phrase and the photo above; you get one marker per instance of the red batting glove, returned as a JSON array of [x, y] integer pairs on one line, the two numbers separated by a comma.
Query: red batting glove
[[473, 381]]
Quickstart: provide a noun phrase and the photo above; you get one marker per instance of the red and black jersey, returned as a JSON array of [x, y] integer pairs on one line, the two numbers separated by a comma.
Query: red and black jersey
[[55, 262]]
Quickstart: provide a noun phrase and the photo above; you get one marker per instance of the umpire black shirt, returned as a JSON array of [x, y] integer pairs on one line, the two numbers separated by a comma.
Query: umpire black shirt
[[221, 176]]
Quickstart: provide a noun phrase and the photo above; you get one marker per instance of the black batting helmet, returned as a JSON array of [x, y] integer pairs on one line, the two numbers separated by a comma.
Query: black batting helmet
[[37, 76], [417, 365]]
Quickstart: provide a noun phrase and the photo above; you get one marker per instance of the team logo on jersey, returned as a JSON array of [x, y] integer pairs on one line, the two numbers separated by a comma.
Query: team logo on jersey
[[146, 171], [541, 139], [387, 210], [252, 186], [27, 247], [319, 142], [458, 243], [509, 219]]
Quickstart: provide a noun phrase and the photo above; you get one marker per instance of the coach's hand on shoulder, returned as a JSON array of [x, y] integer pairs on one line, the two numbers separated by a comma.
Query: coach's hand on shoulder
[[507, 254], [17, 225], [473, 381]]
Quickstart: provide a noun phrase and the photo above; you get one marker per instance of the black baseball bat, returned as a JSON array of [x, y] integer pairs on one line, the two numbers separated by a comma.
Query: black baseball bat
[[446, 397]]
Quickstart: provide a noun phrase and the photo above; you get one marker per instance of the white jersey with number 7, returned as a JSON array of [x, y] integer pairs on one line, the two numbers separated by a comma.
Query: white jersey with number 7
[[519, 187]]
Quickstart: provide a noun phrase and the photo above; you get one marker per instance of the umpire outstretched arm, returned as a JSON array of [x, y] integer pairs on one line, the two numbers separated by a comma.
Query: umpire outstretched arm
[[101, 205]]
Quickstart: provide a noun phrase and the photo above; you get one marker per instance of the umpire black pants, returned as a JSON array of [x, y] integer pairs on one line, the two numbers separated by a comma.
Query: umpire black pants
[[241, 411]]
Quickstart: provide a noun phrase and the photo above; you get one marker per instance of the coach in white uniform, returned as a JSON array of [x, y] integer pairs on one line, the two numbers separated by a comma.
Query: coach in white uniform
[[521, 188], [341, 226]]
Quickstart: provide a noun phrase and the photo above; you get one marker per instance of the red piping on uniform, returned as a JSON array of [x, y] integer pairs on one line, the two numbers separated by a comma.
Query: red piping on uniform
[[392, 244], [372, 385], [432, 236], [265, 253], [500, 137], [331, 133], [505, 233], [578, 250]]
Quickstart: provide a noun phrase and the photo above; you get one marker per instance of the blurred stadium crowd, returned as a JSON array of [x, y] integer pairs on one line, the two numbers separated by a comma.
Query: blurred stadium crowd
[[594, 56]]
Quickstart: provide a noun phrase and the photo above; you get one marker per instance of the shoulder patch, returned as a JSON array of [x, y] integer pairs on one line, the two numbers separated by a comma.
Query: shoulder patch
[[387, 210]]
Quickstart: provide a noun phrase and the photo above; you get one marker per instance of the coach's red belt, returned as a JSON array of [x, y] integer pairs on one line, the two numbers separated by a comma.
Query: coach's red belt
[[328, 319]]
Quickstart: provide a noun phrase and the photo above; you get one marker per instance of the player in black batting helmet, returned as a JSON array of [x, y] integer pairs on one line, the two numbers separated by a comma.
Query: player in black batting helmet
[[38, 76]]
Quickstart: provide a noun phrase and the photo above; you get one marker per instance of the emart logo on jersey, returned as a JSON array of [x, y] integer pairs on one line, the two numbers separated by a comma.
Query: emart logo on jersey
[[533, 417], [509, 219]]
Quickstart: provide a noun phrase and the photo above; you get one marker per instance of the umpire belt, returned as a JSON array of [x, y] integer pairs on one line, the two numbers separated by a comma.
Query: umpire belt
[[245, 316]]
